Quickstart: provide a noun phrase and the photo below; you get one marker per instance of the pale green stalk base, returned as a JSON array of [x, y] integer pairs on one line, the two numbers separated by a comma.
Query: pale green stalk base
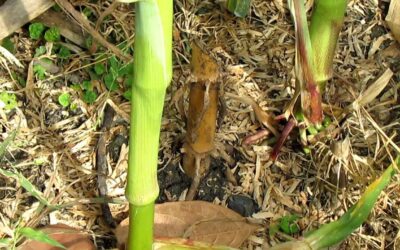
[[326, 23], [140, 228], [152, 74]]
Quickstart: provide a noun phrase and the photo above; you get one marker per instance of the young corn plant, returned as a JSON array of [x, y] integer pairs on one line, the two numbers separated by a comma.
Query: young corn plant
[[315, 49], [152, 75]]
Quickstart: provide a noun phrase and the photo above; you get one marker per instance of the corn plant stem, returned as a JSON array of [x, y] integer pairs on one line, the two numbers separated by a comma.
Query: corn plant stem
[[141, 231], [326, 22], [152, 75]]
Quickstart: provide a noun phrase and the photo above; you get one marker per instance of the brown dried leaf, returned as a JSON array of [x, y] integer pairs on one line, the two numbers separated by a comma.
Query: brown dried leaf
[[374, 90], [262, 116], [71, 238], [196, 220]]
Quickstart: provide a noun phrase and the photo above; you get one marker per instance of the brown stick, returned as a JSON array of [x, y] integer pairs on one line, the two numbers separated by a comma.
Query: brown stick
[[101, 164], [282, 138], [64, 4]]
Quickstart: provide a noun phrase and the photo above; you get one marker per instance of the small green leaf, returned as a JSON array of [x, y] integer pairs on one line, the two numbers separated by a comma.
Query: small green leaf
[[8, 101], [52, 35], [73, 106], [40, 236], [8, 44], [312, 130], [99, 68], [64, 52], [110, 82], [56, 8], [41, 50], [89, 96], [40, 71], [239, 7], [288, 224], [126, 70], [40, 161], [64, 100], [114, 64], [127, 94], [87, 85], [327, 121], [36, 30], [87, 12], [76, 87]]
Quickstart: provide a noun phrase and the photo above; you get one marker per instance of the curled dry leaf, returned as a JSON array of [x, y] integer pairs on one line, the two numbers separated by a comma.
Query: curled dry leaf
[[198, 221], [374, 90], [71, 238]]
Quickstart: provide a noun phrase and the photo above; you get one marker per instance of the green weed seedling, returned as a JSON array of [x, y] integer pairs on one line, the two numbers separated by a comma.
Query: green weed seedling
[[89, 95], [52, 35], [36, 30], [64, 100], [39, 71], [8, 101]]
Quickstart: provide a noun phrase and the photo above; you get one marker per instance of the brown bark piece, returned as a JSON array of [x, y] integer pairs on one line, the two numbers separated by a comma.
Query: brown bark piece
[[393, 18], [202, 118], [16, 13]]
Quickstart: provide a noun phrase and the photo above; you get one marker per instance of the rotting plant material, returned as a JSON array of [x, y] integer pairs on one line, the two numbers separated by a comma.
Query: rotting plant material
[[202, 116]]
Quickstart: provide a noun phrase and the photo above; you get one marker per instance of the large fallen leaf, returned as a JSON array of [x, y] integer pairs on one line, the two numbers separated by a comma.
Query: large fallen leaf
[[182, 244], [70, 238], [196, 220]]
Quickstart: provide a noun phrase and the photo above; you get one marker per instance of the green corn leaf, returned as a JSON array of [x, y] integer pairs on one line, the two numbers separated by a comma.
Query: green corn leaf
[[335, 232], [40, 236]]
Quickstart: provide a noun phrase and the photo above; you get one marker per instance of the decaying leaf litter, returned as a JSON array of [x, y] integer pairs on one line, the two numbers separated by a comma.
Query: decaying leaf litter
[[257, 58]]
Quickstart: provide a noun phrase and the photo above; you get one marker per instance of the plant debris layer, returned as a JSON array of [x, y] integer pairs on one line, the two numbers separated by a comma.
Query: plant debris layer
[[55, 146]]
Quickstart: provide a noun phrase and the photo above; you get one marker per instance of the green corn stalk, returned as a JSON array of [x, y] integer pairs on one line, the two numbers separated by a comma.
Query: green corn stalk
[[315, 48], [326, 22], [152, 75], [337, 231]]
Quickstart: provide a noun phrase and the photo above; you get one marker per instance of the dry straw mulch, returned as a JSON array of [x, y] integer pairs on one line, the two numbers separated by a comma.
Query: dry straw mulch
[[55, 148]]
